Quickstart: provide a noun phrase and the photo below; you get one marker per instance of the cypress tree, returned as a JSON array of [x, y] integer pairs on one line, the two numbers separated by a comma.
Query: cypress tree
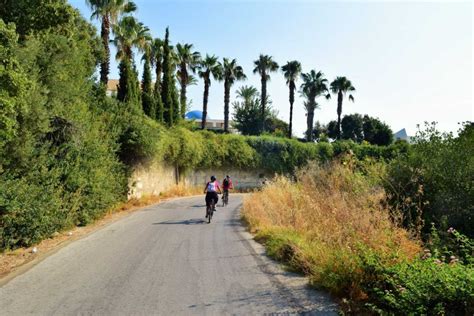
[[148, 102], [128, 87], [167, 83]]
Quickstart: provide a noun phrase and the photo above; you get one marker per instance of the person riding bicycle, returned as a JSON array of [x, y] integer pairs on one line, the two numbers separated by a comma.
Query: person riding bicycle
[[227, 185], [211, 190]]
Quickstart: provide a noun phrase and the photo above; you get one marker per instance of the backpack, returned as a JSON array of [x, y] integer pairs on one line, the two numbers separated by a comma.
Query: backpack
[[225, 182]]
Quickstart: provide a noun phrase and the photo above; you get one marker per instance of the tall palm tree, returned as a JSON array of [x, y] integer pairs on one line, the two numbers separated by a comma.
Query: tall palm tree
[[208, 67], [187, 60], [129, 34], [108, 11], [231, 72], [264, 65], [247, 94], [314, 85], [341, 86], [291, 71]]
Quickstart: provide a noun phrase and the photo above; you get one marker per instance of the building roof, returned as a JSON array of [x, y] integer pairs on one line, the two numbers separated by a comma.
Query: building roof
[[195, 115], [401, 134], [112, 84]]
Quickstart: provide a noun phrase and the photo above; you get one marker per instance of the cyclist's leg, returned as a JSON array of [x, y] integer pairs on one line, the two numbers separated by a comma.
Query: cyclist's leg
[[208, 204], [216, 199]]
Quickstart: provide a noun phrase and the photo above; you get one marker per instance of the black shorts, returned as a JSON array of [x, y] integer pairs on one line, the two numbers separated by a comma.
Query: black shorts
[[210, 196]]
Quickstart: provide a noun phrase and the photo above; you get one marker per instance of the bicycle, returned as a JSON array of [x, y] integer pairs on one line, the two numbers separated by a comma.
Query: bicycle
[[210, 211], [225, 198]]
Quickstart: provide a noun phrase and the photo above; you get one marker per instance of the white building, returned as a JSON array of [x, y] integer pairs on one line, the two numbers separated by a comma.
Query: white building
[[211, 124]]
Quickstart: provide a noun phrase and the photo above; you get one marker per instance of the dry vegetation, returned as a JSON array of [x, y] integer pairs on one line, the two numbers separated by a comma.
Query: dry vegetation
[[325, 224]]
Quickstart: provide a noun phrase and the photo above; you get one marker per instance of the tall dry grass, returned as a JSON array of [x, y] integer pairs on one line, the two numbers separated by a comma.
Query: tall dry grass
[[326, 223]]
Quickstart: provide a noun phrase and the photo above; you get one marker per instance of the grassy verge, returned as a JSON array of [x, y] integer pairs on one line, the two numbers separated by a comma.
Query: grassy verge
[[332, 226]]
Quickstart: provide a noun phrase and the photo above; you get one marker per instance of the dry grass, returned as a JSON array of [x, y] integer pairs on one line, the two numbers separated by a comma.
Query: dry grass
[[12, 260], [324, 223]]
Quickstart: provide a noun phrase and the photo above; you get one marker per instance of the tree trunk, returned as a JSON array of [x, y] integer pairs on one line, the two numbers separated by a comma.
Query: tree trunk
[[226, 105], [263, 101], [105, 64], [204, 102], [292, 100], [309, 122], [184, 79], [339, 111]]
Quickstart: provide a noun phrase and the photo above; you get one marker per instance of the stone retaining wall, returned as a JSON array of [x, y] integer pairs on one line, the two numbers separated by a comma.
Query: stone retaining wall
[[154, 178]]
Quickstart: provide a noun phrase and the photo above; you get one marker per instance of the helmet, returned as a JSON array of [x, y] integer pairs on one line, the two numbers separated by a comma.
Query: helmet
[[227, 176], [213, 178]]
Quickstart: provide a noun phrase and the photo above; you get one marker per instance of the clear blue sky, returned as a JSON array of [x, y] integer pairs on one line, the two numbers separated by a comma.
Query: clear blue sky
[[409, 61]]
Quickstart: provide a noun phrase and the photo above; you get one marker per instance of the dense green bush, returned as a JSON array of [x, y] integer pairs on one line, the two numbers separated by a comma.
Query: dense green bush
[[434, 181], [58, 162], [422, 287]]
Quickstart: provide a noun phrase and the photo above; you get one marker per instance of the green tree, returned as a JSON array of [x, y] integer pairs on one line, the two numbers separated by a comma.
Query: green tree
[[108, 11], [291, 71], [148, 100], [34, 16], [332, 129], [168, 87], [187, 61], [376, 132], [341, 86], [157, 62], [352, 128], [314, 85], [247, 94], [264, 65], [231, 72], [13, 84], [129, 33], [208, 67]]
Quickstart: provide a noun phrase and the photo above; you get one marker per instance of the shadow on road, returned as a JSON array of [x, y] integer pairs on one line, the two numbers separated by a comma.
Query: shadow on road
[[193, 221], [200, 205]]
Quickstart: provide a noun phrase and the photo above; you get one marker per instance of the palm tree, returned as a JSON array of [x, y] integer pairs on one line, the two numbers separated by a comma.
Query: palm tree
[[314, 85], [108, 11], [291, 71], [208, 67], [247, 94], [231, 72], [340, 86], [130, 33], [187, 60], [263, 66]]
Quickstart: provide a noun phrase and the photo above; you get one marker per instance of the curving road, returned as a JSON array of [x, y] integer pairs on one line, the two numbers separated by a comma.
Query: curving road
[[165, 260]]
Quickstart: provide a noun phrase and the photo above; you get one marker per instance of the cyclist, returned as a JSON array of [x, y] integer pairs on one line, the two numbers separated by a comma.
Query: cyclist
[[226, 186], [211, 190]]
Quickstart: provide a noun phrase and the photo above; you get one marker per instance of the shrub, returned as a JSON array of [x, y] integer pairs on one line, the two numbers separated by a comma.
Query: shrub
[[420, 287], [433, 182]]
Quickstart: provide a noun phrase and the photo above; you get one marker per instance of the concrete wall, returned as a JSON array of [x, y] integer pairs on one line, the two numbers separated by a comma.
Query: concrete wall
[[153, 178], [242, 179]]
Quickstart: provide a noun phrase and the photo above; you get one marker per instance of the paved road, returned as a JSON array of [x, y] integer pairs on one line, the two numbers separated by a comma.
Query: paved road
[[166, 260]]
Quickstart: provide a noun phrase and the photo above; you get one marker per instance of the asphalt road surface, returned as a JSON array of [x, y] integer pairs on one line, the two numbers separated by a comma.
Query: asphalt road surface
[[164, 260]]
